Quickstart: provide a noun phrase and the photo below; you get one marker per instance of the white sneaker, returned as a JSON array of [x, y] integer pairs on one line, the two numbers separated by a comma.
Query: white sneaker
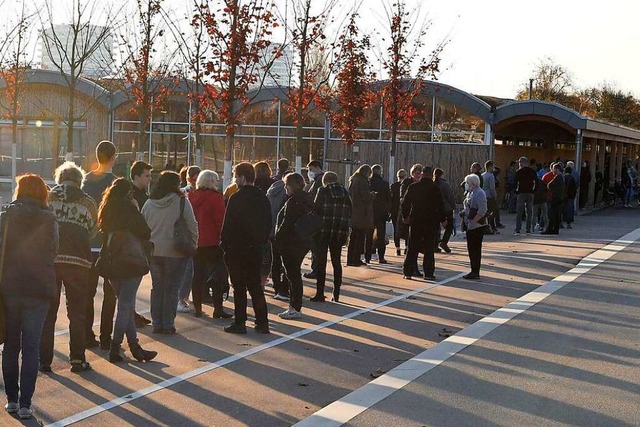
[[25, 413], [281, 297], [11, 407], [290, 313], [183, 307]]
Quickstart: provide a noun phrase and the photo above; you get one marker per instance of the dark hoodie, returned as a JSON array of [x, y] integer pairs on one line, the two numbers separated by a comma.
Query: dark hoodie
[[29, 251], [333, 204], [77, 215], [247, 221], [296, 206]]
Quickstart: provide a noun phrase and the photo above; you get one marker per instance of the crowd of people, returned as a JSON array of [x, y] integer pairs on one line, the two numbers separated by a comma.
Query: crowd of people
[[197, 239]]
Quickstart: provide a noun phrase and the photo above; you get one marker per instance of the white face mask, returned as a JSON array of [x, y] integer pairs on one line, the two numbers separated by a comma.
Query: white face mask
[[311, 175], [467, 187]]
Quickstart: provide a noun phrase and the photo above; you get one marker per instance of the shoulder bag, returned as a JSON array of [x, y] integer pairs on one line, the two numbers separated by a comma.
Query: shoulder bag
[[182, 236], [124, 256]]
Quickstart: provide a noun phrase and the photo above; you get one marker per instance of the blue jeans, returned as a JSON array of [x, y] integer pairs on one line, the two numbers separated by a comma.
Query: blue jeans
[[125, 290], [25, 319], [167, 275], [525, 200], [185, 288]]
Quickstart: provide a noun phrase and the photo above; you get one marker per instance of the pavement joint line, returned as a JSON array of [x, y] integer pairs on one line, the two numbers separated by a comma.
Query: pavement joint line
[[353, 404], [129, 397]]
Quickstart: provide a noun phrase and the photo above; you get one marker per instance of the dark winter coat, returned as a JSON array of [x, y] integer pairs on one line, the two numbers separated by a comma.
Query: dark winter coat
[[382, 200], [395, 199], [556, 187], [247, 221], [29, 250], [263, 183], [423, 205], [77, 216], [449, 202], [316, 185], [296, 206], [362, 202], [333, 204]]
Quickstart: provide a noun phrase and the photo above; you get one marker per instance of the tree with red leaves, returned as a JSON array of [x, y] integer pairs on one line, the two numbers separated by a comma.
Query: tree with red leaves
[[403, 53], [312, 68], [149, 82], [238, 59], [353, 95]]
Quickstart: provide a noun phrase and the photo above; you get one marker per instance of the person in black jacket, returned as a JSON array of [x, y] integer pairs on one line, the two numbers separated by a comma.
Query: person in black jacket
[[415, 173], [556, 187], [423, 210], [29, 248], [381, 207], [292, 247], [245, 231], [395, 208], [119, 212]]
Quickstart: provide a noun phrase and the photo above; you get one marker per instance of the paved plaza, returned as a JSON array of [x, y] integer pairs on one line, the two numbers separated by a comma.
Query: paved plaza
[[548, 337]]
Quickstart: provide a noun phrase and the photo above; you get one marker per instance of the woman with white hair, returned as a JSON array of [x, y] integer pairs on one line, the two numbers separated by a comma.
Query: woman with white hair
[[208, 207], [475, 209]]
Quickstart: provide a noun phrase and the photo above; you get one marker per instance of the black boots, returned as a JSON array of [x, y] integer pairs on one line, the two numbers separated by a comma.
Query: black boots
[[114, 354], [218, 309], [142, 355]]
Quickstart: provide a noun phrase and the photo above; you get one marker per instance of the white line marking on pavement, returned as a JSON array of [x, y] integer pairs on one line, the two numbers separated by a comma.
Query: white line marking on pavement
[[358, 401], [242, 355]]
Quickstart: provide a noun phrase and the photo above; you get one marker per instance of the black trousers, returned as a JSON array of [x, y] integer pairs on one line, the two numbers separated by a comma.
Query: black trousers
[[396, 232], [335, 251], [421, 239], [555, 217], [292, 257], [278, 275], [356, 244], [492, 212], [208, 263], [74, 279], [108, 305], [244, 271], [474, 246], [378, 244], [448, 230]]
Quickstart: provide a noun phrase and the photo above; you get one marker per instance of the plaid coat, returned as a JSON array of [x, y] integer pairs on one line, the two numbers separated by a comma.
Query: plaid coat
[[333, 204]]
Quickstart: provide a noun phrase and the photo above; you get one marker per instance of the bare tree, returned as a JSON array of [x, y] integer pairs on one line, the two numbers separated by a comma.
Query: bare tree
[[73, 48], [14, 63]]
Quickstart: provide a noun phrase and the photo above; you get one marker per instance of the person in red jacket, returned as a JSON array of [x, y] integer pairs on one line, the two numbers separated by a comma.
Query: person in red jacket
[[208, 207]]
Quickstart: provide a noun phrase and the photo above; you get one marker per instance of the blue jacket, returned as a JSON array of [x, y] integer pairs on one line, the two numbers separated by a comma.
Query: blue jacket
[[30, 250]]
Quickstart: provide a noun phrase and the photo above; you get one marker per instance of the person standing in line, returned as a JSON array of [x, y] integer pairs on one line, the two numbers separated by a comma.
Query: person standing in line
[[29, 236], [556, 188], [540, 208], [290, 244], [263, 176], [315, 174], [489, 188], [208, 208], [94, 184], [283, 169], [510, 188], [570, 192], [168, 264], [415, 174], [585, 180], [476, 169], [77, 216], [525, 187], [423, 210], [381, 207], [333, 205], [119, 212], [245, 231], [140, 174], [277, 196], [475, 209], [191, 174], [395, 209], [449, 204], [362, 214]]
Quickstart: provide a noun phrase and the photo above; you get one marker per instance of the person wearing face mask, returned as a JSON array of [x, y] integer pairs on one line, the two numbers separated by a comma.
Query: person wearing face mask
[[315, 174], [475, 209]]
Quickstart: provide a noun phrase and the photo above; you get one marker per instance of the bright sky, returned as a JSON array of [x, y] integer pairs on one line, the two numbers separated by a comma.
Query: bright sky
[[495, 44]]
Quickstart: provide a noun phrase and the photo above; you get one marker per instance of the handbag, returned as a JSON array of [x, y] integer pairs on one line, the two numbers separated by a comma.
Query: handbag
[[308, 225], [182, 236], [124, 256]]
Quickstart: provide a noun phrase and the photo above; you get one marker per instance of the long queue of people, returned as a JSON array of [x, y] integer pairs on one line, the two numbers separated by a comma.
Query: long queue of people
[[193, 239]]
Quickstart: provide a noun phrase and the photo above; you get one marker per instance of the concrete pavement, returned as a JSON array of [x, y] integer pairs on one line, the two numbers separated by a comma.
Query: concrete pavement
[[205, 377]]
